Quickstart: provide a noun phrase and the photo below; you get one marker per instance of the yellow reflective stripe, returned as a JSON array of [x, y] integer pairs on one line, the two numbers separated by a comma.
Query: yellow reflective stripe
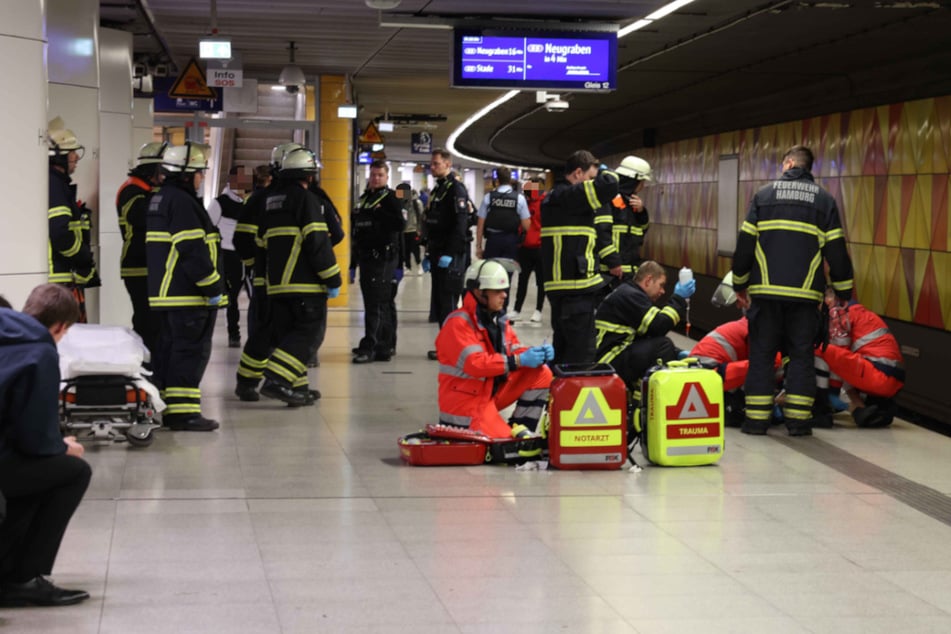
[[158, 236], [844, 285], [244, 227], [760, 400], [251, 362], [610, 326], [307, 289], [835, 234], [612, 354], [601, 219], [278, 369], [314, 226], [550, 232], [648, 318], [814, 267], [185, 392], [799, 400], [188, 234], [559, 245], [592, 195], [73, 225], [292, 259], [300, 381], [250, 374], [181, 301], [273, 232], [672, 313], [77, 244], [183, 408], [741, 279], [133, 271], [60, 278], [82, 279], [289, 360], [567, 285], [750, 228], [329, 272], [786, 291], [607, 251], [208, 281], [789, 225], [170, 261], [55, 212], [761, 260], [248, 262]]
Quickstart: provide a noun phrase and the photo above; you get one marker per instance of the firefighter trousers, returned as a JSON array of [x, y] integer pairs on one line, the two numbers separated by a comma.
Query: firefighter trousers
[[298, 320], [260, 341], [182, 355], [146, 322], [572, 320]]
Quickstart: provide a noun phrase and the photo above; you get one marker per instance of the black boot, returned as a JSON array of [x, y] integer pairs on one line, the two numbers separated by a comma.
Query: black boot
[[275, 390]]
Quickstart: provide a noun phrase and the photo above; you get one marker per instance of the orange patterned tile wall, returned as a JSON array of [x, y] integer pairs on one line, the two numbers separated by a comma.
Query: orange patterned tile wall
[[887, 166]]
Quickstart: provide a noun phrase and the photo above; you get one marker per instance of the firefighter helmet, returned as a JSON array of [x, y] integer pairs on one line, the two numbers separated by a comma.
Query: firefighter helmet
[[277, 154], [299, 160], [724, 295], [151, 153], [634, 167], [191, 157], [487, 275], [61, 140]]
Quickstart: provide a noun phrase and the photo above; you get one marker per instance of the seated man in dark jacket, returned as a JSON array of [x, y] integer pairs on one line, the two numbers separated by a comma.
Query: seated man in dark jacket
[[632, 331], [42, 475]]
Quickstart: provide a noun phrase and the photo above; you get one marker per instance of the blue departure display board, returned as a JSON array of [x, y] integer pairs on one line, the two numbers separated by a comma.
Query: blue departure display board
[[538, 60]]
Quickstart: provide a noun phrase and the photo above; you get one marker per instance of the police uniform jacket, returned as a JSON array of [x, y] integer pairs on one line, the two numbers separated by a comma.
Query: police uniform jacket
[[377, 224], [299, 259], [132, 205], [69, 256], [791, 225], [569, 239], [627, 237], [447, 220], [628, 314], [181, 248]]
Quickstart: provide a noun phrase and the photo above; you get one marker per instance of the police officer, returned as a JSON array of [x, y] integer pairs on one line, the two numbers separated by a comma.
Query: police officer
[[70, 260], [792, 224], [377, 227], [632, 331], [629, 221], [258, 346], [132, 205], [573, 281], [301, 272], [447, 236], [502, 216], [185, 286]]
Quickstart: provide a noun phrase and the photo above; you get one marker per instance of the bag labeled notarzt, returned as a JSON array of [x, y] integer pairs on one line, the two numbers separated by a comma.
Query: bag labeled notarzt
[[680, 418]]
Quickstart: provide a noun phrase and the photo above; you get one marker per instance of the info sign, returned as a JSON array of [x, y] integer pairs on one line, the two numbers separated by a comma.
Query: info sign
[[225, 73]]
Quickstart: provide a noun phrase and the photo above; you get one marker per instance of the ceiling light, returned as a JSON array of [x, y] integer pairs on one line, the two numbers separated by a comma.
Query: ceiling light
[[347, 111], [214, 48], [385, 126], [668, 9], [383, 5]]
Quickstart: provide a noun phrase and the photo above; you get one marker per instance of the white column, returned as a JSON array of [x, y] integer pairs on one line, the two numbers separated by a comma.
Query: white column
[[116, 158], [72, 27], [23, 163]]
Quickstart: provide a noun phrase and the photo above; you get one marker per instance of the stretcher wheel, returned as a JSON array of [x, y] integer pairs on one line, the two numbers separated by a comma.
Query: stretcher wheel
[[135, 441]]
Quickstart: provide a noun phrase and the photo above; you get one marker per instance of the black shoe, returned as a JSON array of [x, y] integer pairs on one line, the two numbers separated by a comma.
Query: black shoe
[[754, 427], [871, 416], [39, 591], [310, 395], [363, 357], [432, 356], [180, 422], [355, 350], [248, 393], [383, 356], [273, 389], [822, 420], [803, 428], [234, 342]]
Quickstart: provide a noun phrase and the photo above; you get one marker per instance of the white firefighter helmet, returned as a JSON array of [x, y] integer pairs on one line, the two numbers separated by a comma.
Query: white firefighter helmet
[[191, 157], [635, 167], [299, 159], [61, 140], [151, 153], [277, 154], [487, 275], [724, 295]]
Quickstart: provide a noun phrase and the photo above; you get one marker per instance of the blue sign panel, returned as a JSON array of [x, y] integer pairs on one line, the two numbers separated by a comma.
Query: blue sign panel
[[163, 103], [535, 60]]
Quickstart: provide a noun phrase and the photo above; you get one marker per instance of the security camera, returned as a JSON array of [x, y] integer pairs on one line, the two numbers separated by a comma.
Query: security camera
[[139, 70], [292, 88], [556, 105]]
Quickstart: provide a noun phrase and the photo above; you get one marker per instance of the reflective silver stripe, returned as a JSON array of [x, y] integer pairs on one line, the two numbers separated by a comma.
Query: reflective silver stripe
[[453, 371], [730, 350], [541, 394], [459, 314], [869, 338], [453, 419], [474, 348], [892, 363], [530, 413], [822, 372]]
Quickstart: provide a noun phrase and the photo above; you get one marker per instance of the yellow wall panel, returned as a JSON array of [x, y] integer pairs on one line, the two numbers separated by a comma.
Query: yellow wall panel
[[917, 229]]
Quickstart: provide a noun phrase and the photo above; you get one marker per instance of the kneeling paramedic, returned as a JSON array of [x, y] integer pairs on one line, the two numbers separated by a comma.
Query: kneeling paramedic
[[482, 366]]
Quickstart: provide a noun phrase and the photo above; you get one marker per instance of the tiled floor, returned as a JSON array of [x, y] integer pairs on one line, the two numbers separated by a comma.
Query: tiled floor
[[305, 521]]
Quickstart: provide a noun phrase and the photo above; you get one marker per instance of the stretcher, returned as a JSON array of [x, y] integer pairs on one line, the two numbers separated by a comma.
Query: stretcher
[[104, 394]]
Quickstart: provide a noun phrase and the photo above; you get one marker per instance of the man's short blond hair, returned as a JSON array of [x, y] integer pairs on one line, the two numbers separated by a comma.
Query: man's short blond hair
[[649, 268]]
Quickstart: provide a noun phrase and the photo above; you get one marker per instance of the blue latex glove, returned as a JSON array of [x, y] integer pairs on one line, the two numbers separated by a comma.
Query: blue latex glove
[[685, 290], [533, 357], [353, 276], [333, 292], [444, 261], [427, 265], [837, 403], [398, 273], [549, 351], [214, 301], [683, 354]]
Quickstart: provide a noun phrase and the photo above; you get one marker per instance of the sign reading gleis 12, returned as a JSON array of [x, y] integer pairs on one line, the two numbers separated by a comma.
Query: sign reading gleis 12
[[535, 60]]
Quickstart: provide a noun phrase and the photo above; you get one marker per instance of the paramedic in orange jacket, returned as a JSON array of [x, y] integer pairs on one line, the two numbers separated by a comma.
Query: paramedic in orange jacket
[[865, 355], [728, 347], [482, 366]]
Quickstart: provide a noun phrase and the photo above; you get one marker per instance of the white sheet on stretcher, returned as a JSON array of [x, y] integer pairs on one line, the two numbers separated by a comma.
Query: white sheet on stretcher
[[94, 349]]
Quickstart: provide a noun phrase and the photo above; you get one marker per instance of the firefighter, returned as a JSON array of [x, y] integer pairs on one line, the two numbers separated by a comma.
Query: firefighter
[[864, 354], [632, 331], [482, 366], [258, 346], [573, 282], [301, 273], [132, 205], [70, 255], [447, 236], [377, 229], [629, 221], [792, 224], [185, 285]]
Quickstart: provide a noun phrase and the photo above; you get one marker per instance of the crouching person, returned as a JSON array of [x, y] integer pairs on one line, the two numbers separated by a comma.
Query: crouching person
[[42, 475], [482, 366]]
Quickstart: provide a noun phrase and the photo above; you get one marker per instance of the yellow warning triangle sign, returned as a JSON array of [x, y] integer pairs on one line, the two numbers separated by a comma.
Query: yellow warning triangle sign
[[191, 83], [371, 134]]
